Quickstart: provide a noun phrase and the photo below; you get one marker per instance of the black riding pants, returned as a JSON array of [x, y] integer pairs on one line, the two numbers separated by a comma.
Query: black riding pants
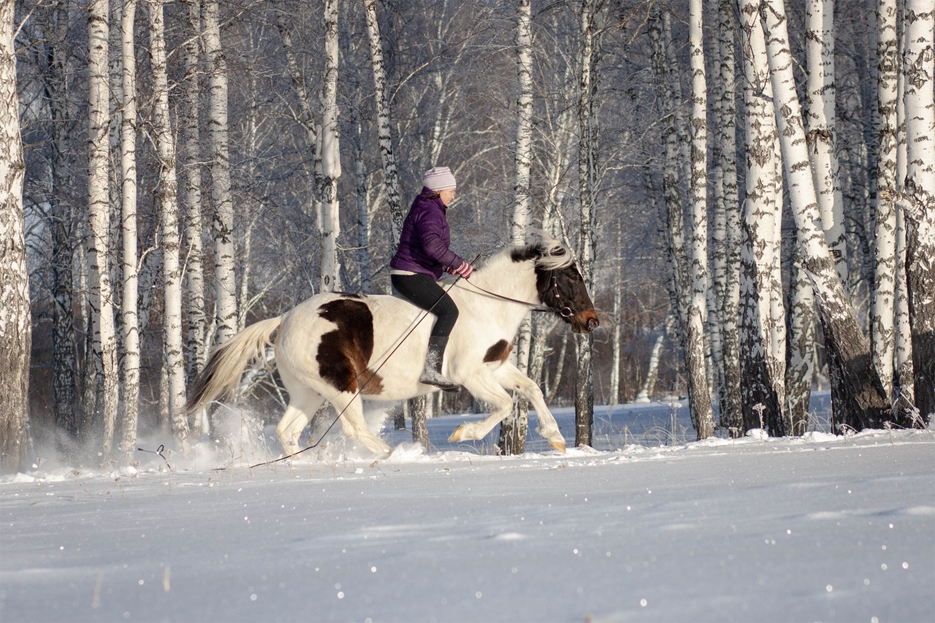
[[422, 291]]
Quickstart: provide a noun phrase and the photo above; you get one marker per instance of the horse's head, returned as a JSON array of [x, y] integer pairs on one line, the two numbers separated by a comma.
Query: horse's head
[[560, 285]]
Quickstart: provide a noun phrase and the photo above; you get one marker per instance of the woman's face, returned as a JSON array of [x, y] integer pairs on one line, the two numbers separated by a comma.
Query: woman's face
[[447, 196]]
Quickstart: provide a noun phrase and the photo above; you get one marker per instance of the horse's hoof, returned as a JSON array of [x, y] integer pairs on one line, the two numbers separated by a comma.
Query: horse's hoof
[[457, 435], [558, 445]]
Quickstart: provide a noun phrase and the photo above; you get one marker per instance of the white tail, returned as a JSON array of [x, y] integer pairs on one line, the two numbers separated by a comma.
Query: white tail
[[227, 363]]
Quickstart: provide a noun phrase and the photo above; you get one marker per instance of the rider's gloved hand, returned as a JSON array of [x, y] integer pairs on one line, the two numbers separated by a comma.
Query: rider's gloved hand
[[465, 270]]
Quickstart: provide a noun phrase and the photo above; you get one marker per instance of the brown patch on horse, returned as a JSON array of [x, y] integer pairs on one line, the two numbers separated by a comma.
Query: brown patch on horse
[[344, 353], [498, 352], [371, 383]]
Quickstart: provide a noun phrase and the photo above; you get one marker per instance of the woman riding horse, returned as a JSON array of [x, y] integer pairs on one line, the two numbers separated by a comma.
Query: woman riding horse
[[421, 257]]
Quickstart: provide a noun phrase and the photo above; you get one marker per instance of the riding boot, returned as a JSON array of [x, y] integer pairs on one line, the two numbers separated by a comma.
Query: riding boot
[[432, 374]]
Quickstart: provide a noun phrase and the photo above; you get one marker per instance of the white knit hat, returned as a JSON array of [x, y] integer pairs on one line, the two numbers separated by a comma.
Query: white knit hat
[[439, 178]]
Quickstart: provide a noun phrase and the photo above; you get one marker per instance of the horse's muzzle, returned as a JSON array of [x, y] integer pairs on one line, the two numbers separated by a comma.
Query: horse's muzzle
[[585, 322]]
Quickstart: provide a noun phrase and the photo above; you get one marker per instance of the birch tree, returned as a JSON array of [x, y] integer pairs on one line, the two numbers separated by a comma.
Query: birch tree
[[224, 260], [129, 302], [853, 375], [15, 322], [698, 394], [329, 225], [514, 428], [904, 374], [884, 288], [584, 379], [384, 121], [763, 323], [919, 68], [190, 188], [729, 204], [102, 306], [169, 210], [820, 126]]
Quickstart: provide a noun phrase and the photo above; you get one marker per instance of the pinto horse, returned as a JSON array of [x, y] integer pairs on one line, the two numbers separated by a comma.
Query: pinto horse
[[345, 347]]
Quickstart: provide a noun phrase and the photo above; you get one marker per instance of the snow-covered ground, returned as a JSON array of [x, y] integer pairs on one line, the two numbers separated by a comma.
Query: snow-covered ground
[[649, 528]]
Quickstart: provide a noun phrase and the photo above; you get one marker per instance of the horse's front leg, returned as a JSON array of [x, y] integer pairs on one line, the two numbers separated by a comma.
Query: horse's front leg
[[510, 377], [484, 387]]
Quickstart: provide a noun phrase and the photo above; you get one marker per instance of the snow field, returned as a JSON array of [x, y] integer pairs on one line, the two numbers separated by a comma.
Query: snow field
[[820, 528]]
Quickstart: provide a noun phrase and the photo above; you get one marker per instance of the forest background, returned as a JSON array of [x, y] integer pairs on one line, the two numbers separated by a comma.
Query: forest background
[[749, 186]]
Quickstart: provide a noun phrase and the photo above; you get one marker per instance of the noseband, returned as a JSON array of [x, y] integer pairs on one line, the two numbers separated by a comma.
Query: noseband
[[564, 311]]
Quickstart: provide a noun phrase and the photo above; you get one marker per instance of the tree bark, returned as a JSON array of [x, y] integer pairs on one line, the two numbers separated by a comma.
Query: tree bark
[[190, 198], [224, 253], [169, 208], [882, 318], [514, 428], [15, 322], [102, 305], [763, 323], [330, 156], [919, 68], [856, 380], [584, 379], [129, 304], [699, 395], [731, 414], [820, 127], [800, 366]]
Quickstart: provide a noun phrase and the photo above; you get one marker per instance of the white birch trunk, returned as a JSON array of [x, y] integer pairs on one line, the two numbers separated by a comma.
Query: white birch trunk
[[190, 190], [99, 205], [882, 315], [330, 156], [584, 380], [731, 415], [387, 153], [169, 208], [699, 392], [820, 130], [919, 68], [863, 402], [802, 355], [904, 375], [513, 429], [129, 304], [760, 289], [224, 260], [15, 322]]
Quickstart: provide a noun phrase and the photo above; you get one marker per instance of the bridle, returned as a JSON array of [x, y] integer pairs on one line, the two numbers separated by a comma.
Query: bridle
[[564, 311]]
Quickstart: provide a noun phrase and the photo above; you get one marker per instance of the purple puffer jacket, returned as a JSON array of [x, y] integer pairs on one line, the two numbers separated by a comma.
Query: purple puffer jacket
[[423, 243]]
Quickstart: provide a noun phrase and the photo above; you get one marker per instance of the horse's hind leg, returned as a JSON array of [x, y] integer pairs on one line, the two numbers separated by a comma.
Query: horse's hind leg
[[510, 377], [354, 425], [301, 409]]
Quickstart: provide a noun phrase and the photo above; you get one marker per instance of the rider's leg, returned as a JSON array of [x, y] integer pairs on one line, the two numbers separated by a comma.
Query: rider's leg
[[422, 291]]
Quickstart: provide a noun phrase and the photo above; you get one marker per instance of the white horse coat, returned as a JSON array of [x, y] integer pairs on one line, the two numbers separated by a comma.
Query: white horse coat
[[344, 348]]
